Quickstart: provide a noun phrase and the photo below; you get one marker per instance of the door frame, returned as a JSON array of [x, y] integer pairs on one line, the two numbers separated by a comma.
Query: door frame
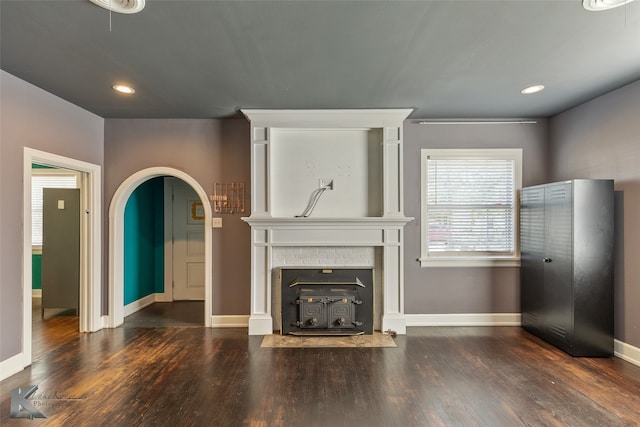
[[116, 240], [90, 242]]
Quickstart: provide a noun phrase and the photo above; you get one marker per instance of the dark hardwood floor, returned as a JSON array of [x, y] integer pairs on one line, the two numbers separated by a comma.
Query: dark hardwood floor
[[177, 313], [439, 376], [53, 331]]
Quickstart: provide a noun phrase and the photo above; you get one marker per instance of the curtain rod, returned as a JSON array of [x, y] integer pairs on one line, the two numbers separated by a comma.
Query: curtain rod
[[477, 122]]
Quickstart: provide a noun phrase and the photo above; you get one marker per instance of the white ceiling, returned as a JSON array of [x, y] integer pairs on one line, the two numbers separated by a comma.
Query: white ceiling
[[206, 58]]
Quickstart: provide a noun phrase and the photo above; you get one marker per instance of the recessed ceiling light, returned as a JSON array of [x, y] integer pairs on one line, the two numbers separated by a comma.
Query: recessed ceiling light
[[120, 6], [127, 90], [532, 89], [598, 5]]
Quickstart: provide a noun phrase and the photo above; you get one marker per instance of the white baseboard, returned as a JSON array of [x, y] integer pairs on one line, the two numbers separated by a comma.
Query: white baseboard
[[139, 304], [164, 297], [621, 349], [220, 321], [106, 321], [11, 366], [465, 319], [36, 293], [230, 321], [626, 352]]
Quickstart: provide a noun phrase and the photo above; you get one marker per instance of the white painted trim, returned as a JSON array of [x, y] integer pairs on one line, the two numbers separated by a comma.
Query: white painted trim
[[464, 319], [36, 293], [351, 118], [90, 244], [168, 243], [450, 259], [164, 297], [116, 240], [395, 322], [139, 304], [260, 324], [626, 352], [230, 321], [469, 262], [12, 366], [270, 231], [367, 223], [621, 349], [143, 302]]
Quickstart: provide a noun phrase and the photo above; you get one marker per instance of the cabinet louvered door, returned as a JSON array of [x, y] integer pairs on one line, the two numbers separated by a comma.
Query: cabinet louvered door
[[532, 253], [557, 260]]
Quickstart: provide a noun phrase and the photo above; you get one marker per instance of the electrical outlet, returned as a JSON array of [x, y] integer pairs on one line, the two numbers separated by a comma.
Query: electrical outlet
[[217, 222], [326, 183]]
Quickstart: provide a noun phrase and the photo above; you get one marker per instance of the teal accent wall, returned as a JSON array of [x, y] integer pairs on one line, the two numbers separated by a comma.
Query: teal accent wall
[[144, 241], [36, 271]]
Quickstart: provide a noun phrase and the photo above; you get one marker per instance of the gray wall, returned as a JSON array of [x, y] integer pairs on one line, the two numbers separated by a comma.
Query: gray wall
[[601, 139], [31, 117], [209, 151], [438, 290], [596, 140], [132, 145]]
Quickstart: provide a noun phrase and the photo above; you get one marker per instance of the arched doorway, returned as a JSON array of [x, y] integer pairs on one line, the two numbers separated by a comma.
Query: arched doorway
[[116, 240]]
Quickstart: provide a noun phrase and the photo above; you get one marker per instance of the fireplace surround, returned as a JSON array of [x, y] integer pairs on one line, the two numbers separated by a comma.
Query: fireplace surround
[[295, 152]]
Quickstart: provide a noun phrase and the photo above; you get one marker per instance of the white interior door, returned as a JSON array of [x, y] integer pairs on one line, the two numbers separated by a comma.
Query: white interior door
[[188, 243]]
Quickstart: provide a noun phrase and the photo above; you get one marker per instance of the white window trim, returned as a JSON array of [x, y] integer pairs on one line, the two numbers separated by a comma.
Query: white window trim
[[466, 260]]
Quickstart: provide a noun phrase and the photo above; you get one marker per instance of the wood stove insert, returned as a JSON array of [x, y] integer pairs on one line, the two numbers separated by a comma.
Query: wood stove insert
[[327, 301]]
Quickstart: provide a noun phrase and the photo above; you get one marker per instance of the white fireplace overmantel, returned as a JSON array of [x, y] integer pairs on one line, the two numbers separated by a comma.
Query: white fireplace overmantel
[[292, 153]]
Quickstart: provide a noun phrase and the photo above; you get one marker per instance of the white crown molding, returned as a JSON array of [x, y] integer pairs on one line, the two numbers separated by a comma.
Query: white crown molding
[[328, 118]]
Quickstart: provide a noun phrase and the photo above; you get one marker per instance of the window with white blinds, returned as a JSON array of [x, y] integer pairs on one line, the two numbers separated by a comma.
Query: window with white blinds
[[46, 178], [469, 206]]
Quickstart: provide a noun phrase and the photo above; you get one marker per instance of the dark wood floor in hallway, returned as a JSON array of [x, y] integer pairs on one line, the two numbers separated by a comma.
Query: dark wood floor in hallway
[[194, 376]]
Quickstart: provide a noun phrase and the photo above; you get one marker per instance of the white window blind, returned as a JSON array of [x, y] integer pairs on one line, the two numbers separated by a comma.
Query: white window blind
[[470, 204], [40, 180]]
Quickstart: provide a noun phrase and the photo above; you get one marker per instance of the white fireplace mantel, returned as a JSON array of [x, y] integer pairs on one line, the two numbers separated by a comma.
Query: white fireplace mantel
[[360, 151]]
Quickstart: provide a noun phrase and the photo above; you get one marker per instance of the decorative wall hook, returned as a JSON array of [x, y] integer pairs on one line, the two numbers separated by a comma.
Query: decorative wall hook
[[228, 198]]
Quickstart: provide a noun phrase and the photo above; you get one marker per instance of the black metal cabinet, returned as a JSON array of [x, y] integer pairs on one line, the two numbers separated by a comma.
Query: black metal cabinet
[[566, 275]]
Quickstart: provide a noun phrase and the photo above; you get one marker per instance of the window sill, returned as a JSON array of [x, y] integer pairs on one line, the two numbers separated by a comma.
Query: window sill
[[469, 262]]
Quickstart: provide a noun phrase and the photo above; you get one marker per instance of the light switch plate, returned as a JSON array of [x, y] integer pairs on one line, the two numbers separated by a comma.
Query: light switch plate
[[217, 222]]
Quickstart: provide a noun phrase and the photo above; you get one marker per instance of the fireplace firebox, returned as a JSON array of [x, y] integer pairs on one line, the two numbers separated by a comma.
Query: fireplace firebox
[[326, 301]]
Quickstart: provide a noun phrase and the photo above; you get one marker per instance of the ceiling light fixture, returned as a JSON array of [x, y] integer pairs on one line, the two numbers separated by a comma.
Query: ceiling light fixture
[[127, 90], [600, 5], [532, 89], [120, 6]]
